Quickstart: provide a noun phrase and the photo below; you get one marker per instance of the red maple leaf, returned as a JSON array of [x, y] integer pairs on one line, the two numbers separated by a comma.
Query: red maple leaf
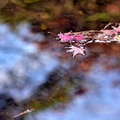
[[78, 37], [65, 37]]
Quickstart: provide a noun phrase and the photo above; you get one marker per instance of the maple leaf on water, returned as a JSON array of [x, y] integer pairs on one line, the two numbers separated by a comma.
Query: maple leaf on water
[[79, 37], [76, 50], [108, 32], [116, 29], [65, 37]]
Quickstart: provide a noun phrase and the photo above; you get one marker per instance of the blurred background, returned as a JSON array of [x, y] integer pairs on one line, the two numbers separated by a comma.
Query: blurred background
[[39, 77]]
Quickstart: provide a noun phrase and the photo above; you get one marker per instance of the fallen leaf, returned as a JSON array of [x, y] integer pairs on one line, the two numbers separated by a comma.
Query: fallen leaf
[[65, 37], [76, 50], [116, 29]]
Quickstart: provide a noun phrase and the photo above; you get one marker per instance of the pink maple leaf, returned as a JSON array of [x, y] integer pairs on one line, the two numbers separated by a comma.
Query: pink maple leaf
[[68, 37], [116, 29], [76, 50], [78, 37], [108, 32], [65, 37]]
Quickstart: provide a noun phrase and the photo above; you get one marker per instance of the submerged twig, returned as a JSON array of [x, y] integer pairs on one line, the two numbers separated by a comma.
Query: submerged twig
[[24, 112]]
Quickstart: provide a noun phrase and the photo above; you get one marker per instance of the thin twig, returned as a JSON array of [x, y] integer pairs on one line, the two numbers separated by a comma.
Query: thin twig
[[24, 112], [107, 25], [52, 34]]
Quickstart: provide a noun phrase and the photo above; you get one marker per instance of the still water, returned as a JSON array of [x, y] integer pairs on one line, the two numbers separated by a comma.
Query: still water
[[31, 71]]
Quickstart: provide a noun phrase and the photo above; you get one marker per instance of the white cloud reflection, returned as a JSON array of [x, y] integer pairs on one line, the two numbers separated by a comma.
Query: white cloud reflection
[[101, 102], [22, 67]]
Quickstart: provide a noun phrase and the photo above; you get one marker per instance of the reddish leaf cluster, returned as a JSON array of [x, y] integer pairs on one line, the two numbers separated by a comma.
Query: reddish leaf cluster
[[66, 37], [84, 37]]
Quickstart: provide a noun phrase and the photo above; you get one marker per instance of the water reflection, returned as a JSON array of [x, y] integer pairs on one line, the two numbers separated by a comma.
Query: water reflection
[[100, 102], [22, 66], [87, 86]]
